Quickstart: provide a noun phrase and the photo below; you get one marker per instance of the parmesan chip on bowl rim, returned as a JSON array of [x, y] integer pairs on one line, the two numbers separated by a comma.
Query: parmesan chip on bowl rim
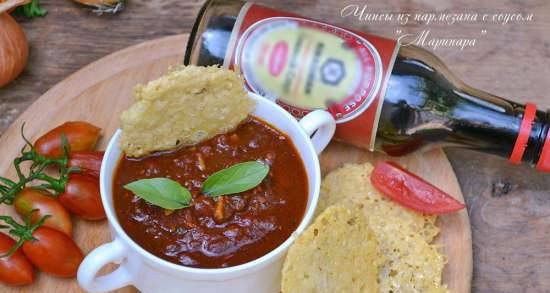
[[186, 106]]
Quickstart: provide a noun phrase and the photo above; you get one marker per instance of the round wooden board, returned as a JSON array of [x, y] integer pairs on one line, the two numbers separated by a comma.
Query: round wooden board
[[100, 91]]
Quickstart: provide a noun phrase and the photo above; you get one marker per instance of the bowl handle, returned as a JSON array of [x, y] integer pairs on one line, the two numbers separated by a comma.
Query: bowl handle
[[113, 252], [320, 126]]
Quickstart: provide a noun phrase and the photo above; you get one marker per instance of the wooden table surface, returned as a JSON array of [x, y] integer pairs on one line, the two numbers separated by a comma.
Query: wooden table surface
[[509, 206]]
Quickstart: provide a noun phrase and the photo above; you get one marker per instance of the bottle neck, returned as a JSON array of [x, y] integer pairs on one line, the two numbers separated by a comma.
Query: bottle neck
[[497, 126], [426, 105]]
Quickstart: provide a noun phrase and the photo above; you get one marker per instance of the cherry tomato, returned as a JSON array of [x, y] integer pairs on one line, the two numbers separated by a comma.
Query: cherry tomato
[[30, 199], [81, 136], [53, 252], [15, 269], [89, 162], [82, 197], [412, 191]]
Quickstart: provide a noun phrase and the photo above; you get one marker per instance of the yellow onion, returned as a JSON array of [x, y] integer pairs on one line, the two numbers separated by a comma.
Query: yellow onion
[[14, 49]]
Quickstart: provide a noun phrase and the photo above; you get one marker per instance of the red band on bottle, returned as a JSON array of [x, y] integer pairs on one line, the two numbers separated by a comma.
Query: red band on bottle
[[524, 132], [543, 164]]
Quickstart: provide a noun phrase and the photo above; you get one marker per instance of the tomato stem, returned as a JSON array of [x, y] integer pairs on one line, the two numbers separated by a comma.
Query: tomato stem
[[58, 185], [7, 181], [21, 232], [17, 163], [10, 189]]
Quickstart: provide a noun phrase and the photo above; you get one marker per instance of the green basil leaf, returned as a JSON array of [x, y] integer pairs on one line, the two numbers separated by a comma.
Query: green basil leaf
[[161, 192], [237, 178]]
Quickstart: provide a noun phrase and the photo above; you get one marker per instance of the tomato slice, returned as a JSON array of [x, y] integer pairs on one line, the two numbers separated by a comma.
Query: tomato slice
[[412, 191]]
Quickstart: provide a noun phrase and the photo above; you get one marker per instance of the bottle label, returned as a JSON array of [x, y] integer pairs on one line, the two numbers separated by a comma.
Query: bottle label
[[304, 65]]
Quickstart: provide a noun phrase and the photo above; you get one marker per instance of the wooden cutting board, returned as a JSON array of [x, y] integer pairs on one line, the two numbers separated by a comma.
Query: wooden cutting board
[[100, 91]]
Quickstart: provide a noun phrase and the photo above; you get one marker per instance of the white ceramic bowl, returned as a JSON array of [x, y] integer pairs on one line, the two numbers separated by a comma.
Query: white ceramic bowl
[[151, 274]]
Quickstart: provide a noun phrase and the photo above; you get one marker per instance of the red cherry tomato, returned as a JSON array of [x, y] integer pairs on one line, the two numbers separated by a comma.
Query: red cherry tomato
[[89, 162], [81, 136], [82, 197], [412, 191], [15, 269], [53, 252], [32, 199]]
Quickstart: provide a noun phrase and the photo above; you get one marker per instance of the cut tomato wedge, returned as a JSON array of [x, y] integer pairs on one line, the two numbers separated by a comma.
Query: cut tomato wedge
[[411, 191]]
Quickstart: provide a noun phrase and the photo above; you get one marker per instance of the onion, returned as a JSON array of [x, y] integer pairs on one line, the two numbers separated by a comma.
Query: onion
[[10, 5], [14, 49]]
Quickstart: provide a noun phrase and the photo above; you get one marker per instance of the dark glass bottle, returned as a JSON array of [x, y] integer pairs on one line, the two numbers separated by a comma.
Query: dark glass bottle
[[424, 104]]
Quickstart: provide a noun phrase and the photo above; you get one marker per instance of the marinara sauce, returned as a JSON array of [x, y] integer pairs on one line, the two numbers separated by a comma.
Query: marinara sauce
[[229, 230]]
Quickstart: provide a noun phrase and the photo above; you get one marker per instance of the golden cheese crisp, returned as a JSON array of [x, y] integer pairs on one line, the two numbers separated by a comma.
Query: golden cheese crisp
[[338, 253], [404, 236], [351, 183], [186, 106]]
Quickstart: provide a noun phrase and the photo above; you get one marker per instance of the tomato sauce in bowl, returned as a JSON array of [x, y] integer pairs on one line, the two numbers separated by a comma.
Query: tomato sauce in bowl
[[224, 231]]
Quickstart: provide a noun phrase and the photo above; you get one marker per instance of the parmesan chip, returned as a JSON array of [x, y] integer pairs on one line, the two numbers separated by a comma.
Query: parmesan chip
[[184, 107], [404, 236], [337, 254]]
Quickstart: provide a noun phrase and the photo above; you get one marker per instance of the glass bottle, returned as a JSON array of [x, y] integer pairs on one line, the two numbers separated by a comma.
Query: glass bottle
[[423, 104]]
